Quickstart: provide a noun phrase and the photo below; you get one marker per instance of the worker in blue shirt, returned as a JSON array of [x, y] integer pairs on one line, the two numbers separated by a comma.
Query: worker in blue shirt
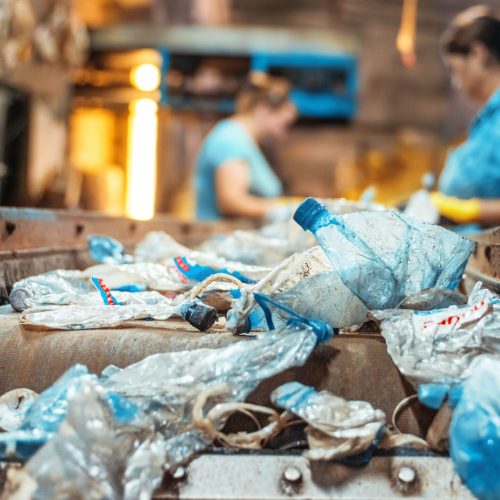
[[470, 182], [233, 177]]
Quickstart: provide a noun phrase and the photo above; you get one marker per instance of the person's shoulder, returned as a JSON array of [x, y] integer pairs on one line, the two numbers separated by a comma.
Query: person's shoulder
[[226, 130]]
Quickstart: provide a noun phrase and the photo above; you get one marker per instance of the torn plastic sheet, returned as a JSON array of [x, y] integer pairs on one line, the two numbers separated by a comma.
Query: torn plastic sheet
[[336, 427], [439, 345], [306, 283], [385, 256], [89, 317]]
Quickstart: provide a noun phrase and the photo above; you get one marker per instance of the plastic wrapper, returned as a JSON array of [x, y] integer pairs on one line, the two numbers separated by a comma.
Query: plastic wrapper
[[32, 291], [336, 427], [88, 317], [384, 256], [438, 345], [13, 407], [475, 429], [306, 283], [106, 250]]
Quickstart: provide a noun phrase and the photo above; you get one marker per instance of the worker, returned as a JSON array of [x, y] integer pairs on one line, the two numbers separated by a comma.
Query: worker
[[470, 182], [233, 177]]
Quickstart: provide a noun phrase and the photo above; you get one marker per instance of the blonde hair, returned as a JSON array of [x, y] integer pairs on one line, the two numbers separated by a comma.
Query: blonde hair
[[261, 88]]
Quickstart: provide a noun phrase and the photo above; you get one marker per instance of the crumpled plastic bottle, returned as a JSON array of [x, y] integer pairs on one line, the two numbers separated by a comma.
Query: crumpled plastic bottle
[[305, 283], [107, 250], [337, 427], [385, 256]]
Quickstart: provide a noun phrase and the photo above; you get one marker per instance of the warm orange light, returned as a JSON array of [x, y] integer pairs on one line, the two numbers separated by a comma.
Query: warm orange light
[[141, 159], [405, 42], [145, 77]]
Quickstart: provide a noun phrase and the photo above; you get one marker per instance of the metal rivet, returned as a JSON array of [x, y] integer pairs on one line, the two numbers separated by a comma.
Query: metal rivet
[[292, 474], [407, 475], [179, 473]]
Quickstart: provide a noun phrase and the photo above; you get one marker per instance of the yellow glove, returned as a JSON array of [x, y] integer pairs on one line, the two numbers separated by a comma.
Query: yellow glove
[[456, 209]]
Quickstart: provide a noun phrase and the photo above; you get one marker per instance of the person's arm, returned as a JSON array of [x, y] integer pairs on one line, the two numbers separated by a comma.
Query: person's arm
[[232, 182], [482, 211]]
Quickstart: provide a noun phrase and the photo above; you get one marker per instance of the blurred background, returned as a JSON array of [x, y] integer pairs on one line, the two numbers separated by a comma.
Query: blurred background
[[104, 103]]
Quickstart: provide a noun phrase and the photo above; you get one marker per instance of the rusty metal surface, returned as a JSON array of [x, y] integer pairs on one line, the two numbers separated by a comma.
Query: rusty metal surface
[[266, 477], [35, 359], [484, 264]]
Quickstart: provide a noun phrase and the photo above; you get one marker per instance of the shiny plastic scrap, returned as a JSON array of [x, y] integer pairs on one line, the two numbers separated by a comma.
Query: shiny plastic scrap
[[166, 386], [13, 407], [306, 283], [88, 317], [475, 429], [337, 427], [103, 449], [107, 250], [384, 256], [46, 288], [439, 345]]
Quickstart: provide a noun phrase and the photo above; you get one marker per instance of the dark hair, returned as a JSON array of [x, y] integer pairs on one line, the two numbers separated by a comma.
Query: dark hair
[[465, 30], [261, 88]]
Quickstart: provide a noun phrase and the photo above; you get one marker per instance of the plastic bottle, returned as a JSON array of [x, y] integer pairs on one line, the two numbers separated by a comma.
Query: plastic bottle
[[385, 256]]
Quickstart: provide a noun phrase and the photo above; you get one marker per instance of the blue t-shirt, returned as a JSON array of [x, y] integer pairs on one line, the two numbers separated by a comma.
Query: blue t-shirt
[[228, 141], [473, 169]]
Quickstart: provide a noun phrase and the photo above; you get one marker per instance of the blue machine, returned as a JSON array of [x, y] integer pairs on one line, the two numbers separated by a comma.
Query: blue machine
[[322, 68]]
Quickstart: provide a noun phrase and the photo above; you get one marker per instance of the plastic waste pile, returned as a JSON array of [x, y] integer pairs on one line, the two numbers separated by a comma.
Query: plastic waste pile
[[452, 355], [288, 286], [129, 424]]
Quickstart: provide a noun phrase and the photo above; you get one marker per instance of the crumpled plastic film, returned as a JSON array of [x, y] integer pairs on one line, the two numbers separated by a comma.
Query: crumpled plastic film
[[88, 317], [98, 453], [32, 291], [337, 427], [165, 386], [13, 407], [475, 429], [158, 246], [439, 345], [107, 250], [385, 256], [306, 283]]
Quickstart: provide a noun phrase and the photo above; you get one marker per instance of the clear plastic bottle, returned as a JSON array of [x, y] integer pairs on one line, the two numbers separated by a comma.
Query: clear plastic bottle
[[385, 256]]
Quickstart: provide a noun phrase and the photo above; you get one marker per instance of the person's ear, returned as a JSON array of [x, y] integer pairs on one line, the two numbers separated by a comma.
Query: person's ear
[[480, 53]]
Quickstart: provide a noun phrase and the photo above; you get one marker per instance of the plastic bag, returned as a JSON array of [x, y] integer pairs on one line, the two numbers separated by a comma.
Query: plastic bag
[[158, 246], [337, 427], [96, 452], [385, 256], [33, 291], [88, 317], [107, 250], [475, 429], [438, 346], [307, 284]]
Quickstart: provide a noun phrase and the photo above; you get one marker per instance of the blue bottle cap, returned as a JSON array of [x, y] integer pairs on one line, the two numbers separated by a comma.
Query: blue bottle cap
[[308, 213]]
